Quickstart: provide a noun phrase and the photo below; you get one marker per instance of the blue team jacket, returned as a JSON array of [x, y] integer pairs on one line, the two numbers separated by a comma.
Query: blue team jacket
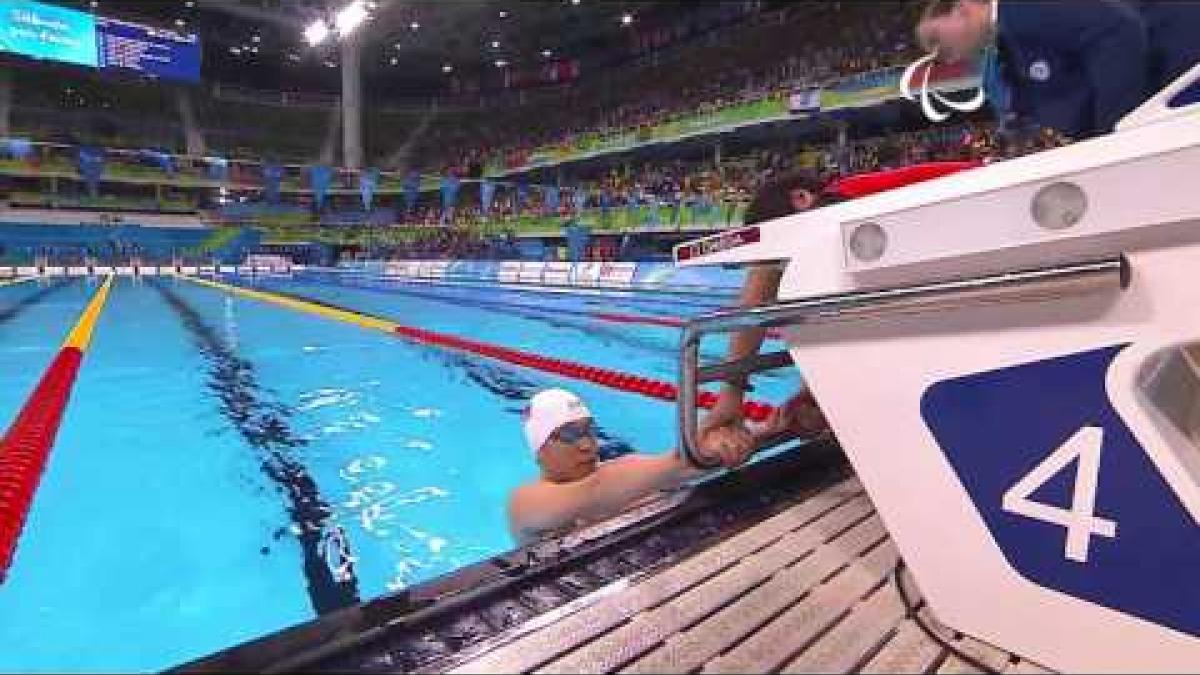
[[1079, 66]]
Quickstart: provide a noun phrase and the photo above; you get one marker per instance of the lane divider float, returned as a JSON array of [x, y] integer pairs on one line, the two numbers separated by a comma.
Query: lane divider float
[[14, 282], [25, 447], [604, 377]]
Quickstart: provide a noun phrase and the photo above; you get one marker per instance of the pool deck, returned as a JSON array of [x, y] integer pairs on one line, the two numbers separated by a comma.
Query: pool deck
[[810, 589]]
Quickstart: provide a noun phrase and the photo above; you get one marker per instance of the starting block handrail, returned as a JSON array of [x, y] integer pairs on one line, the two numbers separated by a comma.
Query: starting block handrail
[[1076, 279]]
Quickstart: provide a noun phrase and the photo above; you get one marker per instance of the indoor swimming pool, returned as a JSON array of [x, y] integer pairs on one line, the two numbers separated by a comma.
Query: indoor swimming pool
[[227, 467]]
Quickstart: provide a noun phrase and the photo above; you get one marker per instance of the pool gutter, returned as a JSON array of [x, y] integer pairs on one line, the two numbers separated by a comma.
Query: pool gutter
[[438, 624]]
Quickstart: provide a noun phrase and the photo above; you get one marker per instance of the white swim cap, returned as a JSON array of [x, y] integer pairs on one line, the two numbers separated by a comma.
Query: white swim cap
[[547, 411]]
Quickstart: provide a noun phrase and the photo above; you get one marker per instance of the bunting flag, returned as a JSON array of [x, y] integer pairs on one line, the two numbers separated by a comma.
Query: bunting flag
[[18, 148], [487, 194], [368, 181], [320, 177], [522, 195], [272, 178], [160, 159], [449, 187], [412, 191], [218, 168], [578, 237], [91, 167]]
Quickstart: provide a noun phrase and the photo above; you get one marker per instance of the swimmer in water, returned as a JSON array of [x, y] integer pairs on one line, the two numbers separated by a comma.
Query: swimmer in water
[[575, 488]]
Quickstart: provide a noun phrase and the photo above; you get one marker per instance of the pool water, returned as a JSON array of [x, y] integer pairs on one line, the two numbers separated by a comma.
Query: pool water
[[227, 468]]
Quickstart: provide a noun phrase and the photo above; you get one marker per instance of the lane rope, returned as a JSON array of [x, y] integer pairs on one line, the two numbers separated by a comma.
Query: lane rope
[[612, 379], [658, 320], [14, 282], [25, 447]]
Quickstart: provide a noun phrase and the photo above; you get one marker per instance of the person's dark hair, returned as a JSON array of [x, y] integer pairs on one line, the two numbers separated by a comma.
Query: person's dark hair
[[774, 199], [935, 8]]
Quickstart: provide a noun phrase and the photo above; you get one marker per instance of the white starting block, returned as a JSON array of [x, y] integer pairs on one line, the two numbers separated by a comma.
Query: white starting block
[[1010, 357]]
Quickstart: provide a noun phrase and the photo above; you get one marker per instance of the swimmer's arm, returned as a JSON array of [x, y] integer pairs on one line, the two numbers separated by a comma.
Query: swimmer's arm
[[761, 287], [613, 487], [616, 485]]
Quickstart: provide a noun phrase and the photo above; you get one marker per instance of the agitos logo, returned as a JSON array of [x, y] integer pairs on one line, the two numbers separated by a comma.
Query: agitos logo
[[921, 69]]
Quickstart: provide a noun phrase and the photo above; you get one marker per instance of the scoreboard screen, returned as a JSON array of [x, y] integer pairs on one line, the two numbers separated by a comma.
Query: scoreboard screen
[[154, 52], [42, 31], [47, 32]]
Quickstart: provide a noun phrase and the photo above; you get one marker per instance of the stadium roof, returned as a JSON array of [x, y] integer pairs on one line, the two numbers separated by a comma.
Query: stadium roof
[[411, 46]]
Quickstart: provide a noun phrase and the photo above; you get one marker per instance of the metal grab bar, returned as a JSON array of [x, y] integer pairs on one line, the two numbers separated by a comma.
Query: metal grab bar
[[1022, 286]]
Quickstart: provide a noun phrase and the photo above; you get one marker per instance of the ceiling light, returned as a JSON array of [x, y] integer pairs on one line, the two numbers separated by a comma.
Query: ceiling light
[[447, 68], [546, 53], [94, 4], [414, 25], [180, 22], [254, 50], [352, 16], [500, 63], [395, 61], [294, 57], [189, 4], [503, 14], [316, 33], [574, 2], [626, 19], [495, 44], [256, 38], [235, 50], [330, 64]]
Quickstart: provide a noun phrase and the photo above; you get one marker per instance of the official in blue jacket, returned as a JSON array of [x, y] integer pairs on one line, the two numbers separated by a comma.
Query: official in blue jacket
[[1077, 66]]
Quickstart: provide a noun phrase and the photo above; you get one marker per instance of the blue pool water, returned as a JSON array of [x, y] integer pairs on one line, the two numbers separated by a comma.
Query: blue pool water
[[215, 447]]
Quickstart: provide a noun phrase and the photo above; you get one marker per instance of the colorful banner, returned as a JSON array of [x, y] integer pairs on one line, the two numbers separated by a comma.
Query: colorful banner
[[862, 89], [595, 144]]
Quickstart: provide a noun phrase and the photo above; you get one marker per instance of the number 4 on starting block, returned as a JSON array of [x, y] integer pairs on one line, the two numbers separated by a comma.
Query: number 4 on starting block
[[1080, 521], [1039, 448]]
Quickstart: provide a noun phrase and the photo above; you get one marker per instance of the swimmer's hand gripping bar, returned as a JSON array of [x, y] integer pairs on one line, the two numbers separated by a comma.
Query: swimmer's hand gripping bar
[[1077, 279]]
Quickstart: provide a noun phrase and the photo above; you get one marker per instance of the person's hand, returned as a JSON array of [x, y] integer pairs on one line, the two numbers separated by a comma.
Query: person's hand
[[799, 416], [727, 446], [725, 425], [727, 412]]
